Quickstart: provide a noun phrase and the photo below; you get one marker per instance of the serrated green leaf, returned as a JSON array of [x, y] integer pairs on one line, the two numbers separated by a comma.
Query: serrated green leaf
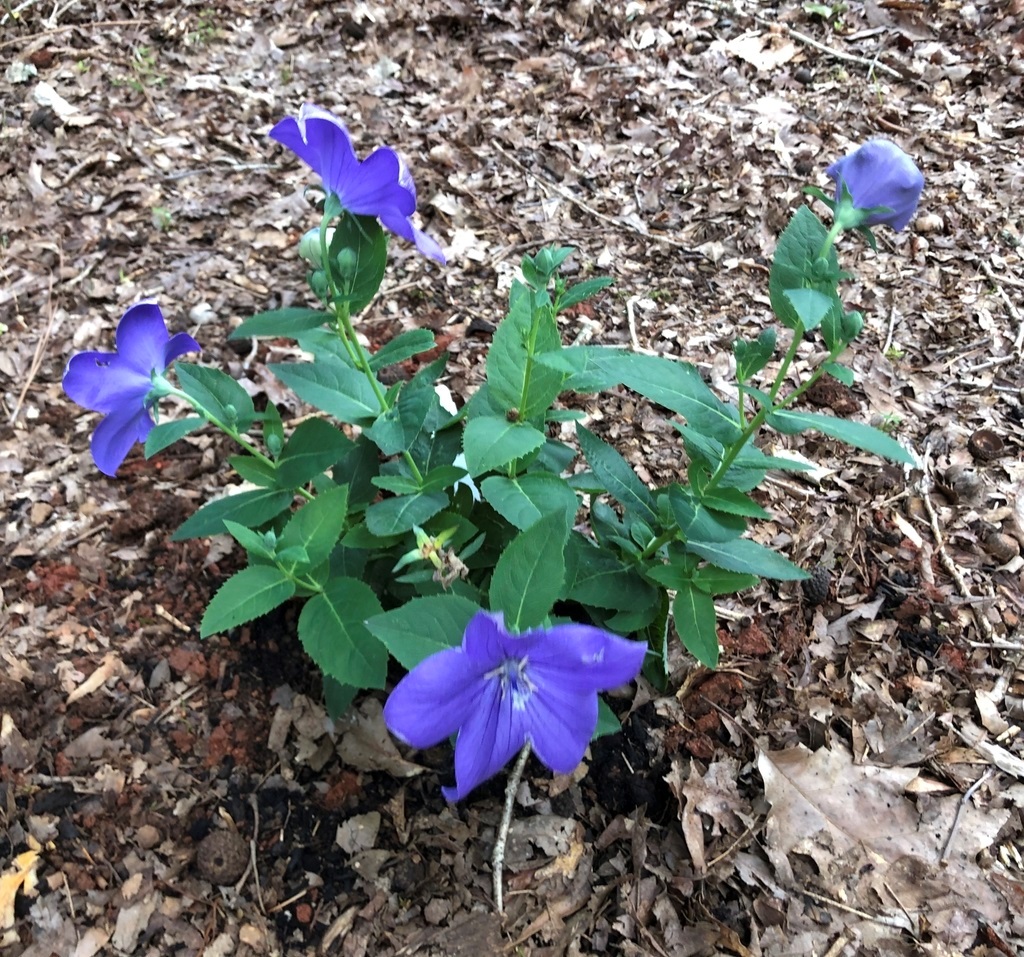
[[733, 502], [842, 373], [718, 581], [254, 470], [332, 387], [253, 542], [515, 380], [250, 593], [332, 629], [857, 434], [491, 442], [401, 514], [404, 346], [810, 306], [397, 429], [315, 446], [529, 574], [523, 500], [582, 291], [317, 526], [423, 626], [693, 613], [364, 241], [281, 323], [607, 720], [249, 508], [218, 393], [617, 475], [167, 433], [745, 555], [752, 357], [597, 577]]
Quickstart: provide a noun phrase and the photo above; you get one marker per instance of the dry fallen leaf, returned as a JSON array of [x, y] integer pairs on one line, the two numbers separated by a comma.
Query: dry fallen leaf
[[22, 877]]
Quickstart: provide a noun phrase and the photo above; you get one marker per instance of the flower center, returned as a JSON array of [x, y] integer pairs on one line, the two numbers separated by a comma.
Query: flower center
[[515, 682]]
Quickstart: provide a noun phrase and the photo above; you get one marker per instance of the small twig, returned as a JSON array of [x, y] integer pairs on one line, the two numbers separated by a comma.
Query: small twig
[[888, 337], [877, 918], [252, 854], [968, 794], [873, 64], [498, 857], [1018, 342]]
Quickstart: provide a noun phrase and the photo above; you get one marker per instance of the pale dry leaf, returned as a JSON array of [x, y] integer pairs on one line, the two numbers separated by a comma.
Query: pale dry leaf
[[110, 667], [358, 833], [366, 743], [21, 876]]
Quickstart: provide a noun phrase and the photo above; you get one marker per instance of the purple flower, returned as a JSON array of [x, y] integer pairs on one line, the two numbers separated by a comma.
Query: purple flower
[[500, 691], [883, 183], [121, 384], [379, 185]]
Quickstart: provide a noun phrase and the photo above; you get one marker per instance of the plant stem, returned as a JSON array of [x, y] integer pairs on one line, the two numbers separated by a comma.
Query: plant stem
[[501, 838], [347, 334]]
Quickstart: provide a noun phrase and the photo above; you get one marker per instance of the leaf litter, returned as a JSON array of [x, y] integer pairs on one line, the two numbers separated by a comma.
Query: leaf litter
[[848, 782]]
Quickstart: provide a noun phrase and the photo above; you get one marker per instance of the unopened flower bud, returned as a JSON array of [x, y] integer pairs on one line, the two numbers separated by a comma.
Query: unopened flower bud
[[347, 262], [853, 322], [309, 248], [318, 283]]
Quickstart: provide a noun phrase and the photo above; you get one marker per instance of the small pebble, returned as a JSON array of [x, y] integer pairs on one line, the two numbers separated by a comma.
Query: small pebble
[[222, 857], [147, 837]]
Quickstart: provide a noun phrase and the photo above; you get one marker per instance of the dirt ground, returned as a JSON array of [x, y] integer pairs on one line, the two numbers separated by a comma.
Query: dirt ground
[[850, 780]]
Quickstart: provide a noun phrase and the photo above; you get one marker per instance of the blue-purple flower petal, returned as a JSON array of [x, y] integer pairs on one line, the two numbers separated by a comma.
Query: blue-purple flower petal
[[879, 173], [501, 691], [116, 434], [434, 699], [379, 186], [119, 383], [491, 735]]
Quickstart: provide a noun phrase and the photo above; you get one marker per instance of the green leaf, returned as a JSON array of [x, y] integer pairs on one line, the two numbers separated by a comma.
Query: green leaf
[[597, 577], [671, 575], [338, 697], [312, 448], [253, 542], [254, 470], [249, 508], [318, 525], [491, 442], [528, 576], [693, 613], [840, 372], [617, 475], [444, 476], [796, 266], [332, 387], [252, 592], [574, 295], [363, 241], [675, 385], [718, 581], [523, 500], [167, 433], [404, 346], [857, 434], [397, 429], [395, 515], [810, 306], [744, 555], [732, 501], [332, 630], [752, 357], [607, 720], [281, 323], [218, 393], [514, 378], [423, 626]]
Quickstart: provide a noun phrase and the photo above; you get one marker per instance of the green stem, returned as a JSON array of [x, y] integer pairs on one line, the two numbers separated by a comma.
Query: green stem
[[231, 432], [833, 232], [347, 334]]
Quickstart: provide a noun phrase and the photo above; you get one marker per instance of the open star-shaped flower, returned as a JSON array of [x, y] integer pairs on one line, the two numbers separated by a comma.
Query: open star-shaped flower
[[379, 185], [121, 384], [500, 691], [882, 183]]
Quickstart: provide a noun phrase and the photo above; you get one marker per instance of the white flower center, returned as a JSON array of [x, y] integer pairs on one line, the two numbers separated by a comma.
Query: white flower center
[[515, 682]]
